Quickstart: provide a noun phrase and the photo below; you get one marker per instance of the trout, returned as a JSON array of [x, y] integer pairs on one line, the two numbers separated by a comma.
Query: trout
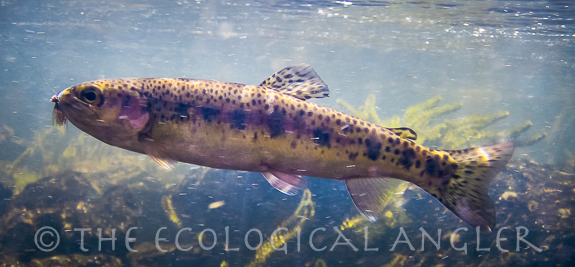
[[272, 129]]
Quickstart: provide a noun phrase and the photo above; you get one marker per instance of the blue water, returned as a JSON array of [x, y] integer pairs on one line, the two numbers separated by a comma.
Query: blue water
[[517, 56]]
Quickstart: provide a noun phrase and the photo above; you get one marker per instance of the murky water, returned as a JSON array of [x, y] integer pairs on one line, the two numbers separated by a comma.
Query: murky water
[[487, 57]]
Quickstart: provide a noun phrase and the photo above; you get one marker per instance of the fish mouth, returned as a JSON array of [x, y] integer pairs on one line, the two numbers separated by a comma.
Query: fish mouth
[[65, 101], [58, 117]]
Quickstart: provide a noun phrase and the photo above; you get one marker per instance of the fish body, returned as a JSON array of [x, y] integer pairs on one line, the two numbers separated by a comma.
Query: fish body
[[271, 129]]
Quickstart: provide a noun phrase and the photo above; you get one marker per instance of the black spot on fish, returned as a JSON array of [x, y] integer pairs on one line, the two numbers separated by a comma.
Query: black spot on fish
[[431, 166], [238, 118], [293, 144], [352, 156], [320, 137], [209, 113], [373, 150], [126, 101], [182, 110], [276, 124], [407, 157]]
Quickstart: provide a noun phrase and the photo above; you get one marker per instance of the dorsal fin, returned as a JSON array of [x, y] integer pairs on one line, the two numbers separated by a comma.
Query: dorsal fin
[[299, 81], [404, 132]]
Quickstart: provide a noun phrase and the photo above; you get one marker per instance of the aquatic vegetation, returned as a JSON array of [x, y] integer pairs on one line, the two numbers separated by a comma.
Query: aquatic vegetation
[[305, 211], [170, 211], [468, 131], [398, 260], [394, 215], [417, 117], [53, 151], [320, 263], [88, 200], [69, 260]]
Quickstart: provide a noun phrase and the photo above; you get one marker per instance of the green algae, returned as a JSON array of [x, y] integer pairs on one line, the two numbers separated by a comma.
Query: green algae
[[463, 132]]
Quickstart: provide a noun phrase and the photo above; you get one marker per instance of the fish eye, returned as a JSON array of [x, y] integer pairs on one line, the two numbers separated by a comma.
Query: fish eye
[[92, 95]]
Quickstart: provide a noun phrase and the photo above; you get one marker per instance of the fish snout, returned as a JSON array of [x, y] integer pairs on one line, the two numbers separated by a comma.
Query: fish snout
[[65, 96]]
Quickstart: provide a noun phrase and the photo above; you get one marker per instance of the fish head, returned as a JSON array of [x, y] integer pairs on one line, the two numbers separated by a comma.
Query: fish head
[[105, 110]]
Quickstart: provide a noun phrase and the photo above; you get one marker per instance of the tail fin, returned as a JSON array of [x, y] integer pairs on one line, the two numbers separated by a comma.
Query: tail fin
[[466, 193]]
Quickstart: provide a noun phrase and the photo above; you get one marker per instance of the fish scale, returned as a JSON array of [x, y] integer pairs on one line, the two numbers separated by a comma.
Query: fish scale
[[272, 129]]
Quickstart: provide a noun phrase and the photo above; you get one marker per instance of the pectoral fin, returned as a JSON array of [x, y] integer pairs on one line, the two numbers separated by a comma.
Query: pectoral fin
[[286, 183], [370, 195], [156, 151]]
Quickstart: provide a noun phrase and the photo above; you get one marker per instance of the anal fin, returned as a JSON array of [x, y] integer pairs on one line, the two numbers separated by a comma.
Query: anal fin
[[371, 195], [286, 183]]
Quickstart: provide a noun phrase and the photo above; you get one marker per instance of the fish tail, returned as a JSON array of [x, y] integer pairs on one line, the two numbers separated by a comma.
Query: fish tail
[[466, 193]]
